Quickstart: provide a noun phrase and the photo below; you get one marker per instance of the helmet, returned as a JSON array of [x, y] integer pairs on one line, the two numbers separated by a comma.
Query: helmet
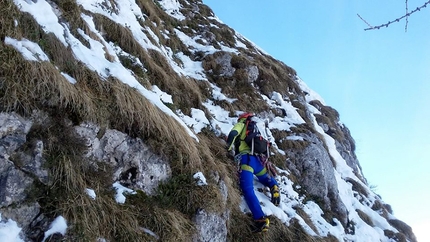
[[244, 115]]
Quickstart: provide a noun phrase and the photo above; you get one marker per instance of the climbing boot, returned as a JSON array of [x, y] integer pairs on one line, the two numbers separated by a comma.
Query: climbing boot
[[276, 197], [261, 225]]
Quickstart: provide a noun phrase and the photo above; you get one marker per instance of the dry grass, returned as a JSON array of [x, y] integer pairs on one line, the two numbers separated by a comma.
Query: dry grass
[[236, 86], [224, 35], [185, 92], [69, 176], [240, 230], [37, 85], [26, 86], [366, 218], [286, 144], [33, 85], [150, 9], [167, 224], [71, 10], [91, 219], [306, 218], [275, 76], [219, 168], [383, 209], [358, 187], [8, 14], [118, 34], [405, 231], [139, 117], [330, 117]]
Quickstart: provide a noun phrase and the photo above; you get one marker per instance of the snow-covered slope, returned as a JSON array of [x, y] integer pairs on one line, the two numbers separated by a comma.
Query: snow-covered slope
[[322, 186]]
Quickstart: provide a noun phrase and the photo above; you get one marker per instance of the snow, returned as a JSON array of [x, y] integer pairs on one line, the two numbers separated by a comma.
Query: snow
[[218, 95], [91, 193], [292, 115], [44, 15], [150, 233], [172, 7], [120, 190], [69, 78], [197, 121], [310, 94], [164, 97], [9, 231], [59, 225], [29, 50], [128, 14], [200, 178], [194, 69], [94, 57]]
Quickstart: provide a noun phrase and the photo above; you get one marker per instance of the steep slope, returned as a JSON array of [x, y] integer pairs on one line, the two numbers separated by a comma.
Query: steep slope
[[113, 116]]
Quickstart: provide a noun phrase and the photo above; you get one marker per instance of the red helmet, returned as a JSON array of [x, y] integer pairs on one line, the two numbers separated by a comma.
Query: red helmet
[[245, 115]]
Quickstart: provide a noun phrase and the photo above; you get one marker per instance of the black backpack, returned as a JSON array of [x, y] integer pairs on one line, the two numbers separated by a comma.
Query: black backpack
[[254, 139]]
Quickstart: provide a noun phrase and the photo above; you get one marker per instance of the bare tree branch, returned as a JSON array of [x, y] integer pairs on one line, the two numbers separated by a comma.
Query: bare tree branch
[[406, 24], [370, 26], [397, 19]]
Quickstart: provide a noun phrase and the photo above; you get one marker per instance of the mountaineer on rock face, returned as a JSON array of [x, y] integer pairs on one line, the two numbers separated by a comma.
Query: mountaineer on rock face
[[249, 149]]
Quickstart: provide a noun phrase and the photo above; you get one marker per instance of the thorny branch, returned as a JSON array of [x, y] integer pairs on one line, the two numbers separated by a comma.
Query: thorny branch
[[397, 19]]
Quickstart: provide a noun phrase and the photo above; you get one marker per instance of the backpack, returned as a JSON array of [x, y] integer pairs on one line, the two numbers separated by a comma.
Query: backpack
[[254, 139]]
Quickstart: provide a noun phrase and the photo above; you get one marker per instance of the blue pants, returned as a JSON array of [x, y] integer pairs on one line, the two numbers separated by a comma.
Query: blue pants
[[251, 165]]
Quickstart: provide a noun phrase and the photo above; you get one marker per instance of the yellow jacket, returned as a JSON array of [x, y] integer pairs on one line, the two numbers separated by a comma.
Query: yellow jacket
[[238, 132]]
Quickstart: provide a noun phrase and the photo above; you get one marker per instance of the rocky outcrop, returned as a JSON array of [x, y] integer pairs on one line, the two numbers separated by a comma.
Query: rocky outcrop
[[13, 181], [16, 178], [314, 168], [224, 65], [133, 163], [210, 226]]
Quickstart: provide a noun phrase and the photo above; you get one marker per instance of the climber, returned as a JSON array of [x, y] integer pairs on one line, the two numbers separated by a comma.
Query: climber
[[250, 165]]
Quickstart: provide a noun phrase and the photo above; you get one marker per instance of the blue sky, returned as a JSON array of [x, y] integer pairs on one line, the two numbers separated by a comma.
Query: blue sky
[[378, 80]]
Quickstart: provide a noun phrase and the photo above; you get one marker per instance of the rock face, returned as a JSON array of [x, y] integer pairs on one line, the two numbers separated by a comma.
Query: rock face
[[225, 68], [315, 170], [16, 178], [13, 181], [133, 163], [210, 226]]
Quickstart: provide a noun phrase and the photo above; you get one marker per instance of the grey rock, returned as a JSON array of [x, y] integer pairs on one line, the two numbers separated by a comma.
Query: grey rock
[[134, 164], [23, 214], [13, 131], [252, 73], [32, 163], [210, 227], [11, 123], [13, 184], [225, 65], [316, 171]]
